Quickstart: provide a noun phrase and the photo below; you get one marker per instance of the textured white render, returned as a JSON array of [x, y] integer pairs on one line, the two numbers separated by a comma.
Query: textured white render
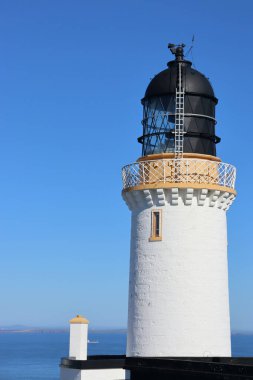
[[78, 341], [178, 291], [104, 374], [92, 374]]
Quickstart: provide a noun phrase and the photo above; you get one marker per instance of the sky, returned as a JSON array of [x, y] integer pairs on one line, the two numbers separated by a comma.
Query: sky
[[72, 73]]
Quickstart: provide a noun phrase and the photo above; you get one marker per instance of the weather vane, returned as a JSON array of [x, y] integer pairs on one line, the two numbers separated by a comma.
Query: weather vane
[[177, 50]]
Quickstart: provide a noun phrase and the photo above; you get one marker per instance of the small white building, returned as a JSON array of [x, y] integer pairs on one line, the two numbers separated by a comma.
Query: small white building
[[77, 367]]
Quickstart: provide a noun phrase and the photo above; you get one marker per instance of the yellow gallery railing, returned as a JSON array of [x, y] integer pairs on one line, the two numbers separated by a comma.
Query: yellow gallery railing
[[186, 171]]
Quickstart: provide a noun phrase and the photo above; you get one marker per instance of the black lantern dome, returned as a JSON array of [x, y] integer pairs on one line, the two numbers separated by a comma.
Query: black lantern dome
[[159, 110]]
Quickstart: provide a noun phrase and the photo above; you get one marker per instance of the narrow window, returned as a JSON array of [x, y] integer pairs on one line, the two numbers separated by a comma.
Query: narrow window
[[156, 225]]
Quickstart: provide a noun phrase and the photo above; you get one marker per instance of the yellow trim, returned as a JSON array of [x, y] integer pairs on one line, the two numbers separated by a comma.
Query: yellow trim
[[169, 185], [162, 156], [153, 238], [79, 320]]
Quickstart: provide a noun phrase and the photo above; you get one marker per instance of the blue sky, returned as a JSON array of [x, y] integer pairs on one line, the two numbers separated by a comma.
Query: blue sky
[[72, 74]]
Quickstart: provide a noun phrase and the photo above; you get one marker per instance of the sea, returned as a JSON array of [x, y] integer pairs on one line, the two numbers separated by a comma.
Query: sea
[[36, 356]]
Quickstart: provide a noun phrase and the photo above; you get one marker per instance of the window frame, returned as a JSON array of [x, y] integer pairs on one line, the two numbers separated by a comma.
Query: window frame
[[153, 233]]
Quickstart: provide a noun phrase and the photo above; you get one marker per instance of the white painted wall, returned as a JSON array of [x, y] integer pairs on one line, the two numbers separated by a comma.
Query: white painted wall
[[91, 374], [78, 341], [178, 291], [104, 374]]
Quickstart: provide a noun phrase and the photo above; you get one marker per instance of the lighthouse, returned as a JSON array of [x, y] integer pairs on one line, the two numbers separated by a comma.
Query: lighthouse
[[179, 192]]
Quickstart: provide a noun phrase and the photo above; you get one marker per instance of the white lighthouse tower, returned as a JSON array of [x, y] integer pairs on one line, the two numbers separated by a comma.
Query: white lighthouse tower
[[179, 192]]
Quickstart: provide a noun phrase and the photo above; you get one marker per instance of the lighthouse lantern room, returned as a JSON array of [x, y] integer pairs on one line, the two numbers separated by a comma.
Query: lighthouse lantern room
[[178, 192]]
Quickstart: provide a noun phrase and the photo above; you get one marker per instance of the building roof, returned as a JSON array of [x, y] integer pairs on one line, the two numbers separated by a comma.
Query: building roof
[[79, 320], [193, 82]]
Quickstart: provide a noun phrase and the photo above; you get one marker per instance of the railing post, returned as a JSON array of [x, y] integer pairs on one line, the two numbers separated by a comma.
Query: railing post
[[234, 176], [143, 172], [163, 171]]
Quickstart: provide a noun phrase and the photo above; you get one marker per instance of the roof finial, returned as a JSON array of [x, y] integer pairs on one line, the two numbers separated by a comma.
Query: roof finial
[[177, 50]]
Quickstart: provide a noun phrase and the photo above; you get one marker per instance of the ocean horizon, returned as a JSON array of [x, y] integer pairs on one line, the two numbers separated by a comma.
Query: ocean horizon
[[36, 355]]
